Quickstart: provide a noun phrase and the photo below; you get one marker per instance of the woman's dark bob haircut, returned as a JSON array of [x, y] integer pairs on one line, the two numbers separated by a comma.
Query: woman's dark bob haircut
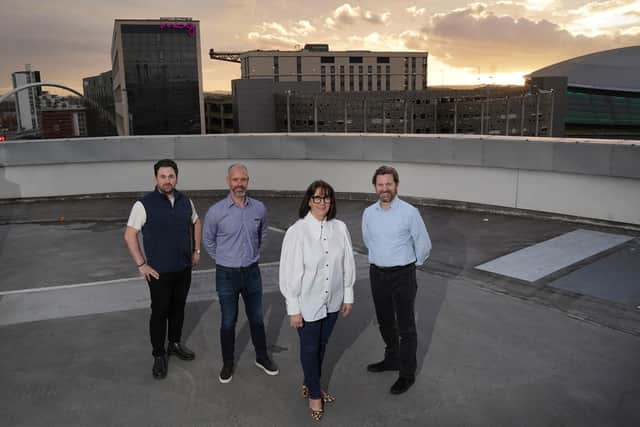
[[326, 190]]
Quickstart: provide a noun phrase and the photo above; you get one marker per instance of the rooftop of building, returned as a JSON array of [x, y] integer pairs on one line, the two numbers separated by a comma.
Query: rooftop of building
[[315, 49], [523, 318], [614, 69]]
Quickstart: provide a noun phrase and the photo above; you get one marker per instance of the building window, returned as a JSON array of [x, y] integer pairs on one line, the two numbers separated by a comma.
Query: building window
[[323, 78], [355, 60], [299, 67], [360, 78], [413, 65], [413, 82], [327, 59], [382, 59], [333, 82], [342, 78]]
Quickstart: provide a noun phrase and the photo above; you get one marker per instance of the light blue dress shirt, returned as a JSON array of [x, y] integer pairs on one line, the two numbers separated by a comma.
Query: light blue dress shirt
[[395, 236]]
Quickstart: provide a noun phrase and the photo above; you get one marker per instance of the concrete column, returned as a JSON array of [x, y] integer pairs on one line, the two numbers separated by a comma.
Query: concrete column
[[537, 113], [506, 117], [455, 116], [315, 114], [364, 114], [346, 129], [522, 100]]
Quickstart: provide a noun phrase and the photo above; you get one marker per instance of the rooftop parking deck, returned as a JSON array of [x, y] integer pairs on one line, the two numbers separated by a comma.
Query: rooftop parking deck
[[493, 350]]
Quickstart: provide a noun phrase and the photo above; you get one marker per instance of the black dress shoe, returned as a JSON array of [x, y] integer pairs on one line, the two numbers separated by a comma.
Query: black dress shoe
[[160, 367], [402, 385], [384, 365], [181, 351]]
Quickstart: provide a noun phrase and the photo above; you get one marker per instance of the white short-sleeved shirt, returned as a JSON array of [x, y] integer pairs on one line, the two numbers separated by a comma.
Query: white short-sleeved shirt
[[317, 268], [138, 215]]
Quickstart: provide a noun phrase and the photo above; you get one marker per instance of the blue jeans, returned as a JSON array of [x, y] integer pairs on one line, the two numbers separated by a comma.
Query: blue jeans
[[230, 284], [313, 343]]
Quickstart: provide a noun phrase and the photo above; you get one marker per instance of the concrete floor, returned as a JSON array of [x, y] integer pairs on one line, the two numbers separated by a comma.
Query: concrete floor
[[492, 351]]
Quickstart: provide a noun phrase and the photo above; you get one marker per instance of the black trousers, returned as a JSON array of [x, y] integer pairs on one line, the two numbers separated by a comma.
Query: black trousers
[[168, 297], [394, 295]]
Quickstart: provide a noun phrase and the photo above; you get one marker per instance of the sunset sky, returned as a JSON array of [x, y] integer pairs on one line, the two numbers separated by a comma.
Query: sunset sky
[[468, 42]]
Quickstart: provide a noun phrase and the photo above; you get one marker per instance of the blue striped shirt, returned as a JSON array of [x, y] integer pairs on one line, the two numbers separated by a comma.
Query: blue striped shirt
[[395, 236], [233, 235]]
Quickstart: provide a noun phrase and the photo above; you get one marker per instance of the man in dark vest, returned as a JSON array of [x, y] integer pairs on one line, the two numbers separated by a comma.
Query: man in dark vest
[[171, 233]]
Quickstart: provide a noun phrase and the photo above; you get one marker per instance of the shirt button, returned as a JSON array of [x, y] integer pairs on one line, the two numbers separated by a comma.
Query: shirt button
[[327, 265], [326, 252]]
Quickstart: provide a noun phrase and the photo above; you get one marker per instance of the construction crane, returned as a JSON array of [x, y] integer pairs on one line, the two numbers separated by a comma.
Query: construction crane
[[225, 56]]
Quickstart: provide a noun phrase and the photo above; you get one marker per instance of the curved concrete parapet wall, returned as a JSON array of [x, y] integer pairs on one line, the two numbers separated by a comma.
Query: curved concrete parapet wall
[[597, 179]]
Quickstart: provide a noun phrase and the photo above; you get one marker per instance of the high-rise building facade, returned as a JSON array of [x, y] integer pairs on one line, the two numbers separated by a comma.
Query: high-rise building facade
[[339, 71], [157, 77], [100, 114], [26, 100]]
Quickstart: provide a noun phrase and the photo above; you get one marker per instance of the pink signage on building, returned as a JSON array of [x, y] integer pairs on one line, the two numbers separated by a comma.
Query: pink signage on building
[[189, 26]]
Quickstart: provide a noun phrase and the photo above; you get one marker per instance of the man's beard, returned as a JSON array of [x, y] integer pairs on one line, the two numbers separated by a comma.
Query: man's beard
[[239, 191], [170, 187]]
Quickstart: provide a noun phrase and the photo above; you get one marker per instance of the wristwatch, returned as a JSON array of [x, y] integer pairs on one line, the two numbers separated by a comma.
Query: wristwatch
[[197, 251]]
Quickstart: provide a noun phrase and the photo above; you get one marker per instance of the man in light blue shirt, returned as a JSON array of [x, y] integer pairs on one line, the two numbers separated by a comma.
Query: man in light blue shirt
[[397, 239]]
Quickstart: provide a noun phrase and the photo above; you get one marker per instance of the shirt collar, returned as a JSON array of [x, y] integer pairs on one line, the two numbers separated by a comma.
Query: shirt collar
[[392, 205], [231, 203], [315, 225]]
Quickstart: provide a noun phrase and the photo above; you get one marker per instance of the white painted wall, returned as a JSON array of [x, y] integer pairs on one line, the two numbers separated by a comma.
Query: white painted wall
[[589, 196]]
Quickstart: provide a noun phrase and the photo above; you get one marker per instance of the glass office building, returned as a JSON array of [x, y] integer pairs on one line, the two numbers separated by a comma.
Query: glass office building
[[157, 77]]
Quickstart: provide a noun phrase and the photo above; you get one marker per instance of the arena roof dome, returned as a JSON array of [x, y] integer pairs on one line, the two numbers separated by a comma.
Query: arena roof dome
[[615, 69]]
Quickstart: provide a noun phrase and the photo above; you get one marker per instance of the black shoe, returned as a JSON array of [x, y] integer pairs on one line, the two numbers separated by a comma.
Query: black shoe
[[267, 366], [401, 385], [160, 367], [181, 351], [384, 365], [226, 373]]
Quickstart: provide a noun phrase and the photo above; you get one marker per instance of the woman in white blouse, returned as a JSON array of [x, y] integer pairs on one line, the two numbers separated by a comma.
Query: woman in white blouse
[[317, 273]]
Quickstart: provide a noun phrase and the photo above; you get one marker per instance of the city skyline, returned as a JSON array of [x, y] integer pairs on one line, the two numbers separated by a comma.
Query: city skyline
[[468, 42]]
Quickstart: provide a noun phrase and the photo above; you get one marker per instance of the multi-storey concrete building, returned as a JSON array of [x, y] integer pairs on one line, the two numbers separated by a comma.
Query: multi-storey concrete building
[[26, 100], [219, 112], [157, 76], [339, 71]]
